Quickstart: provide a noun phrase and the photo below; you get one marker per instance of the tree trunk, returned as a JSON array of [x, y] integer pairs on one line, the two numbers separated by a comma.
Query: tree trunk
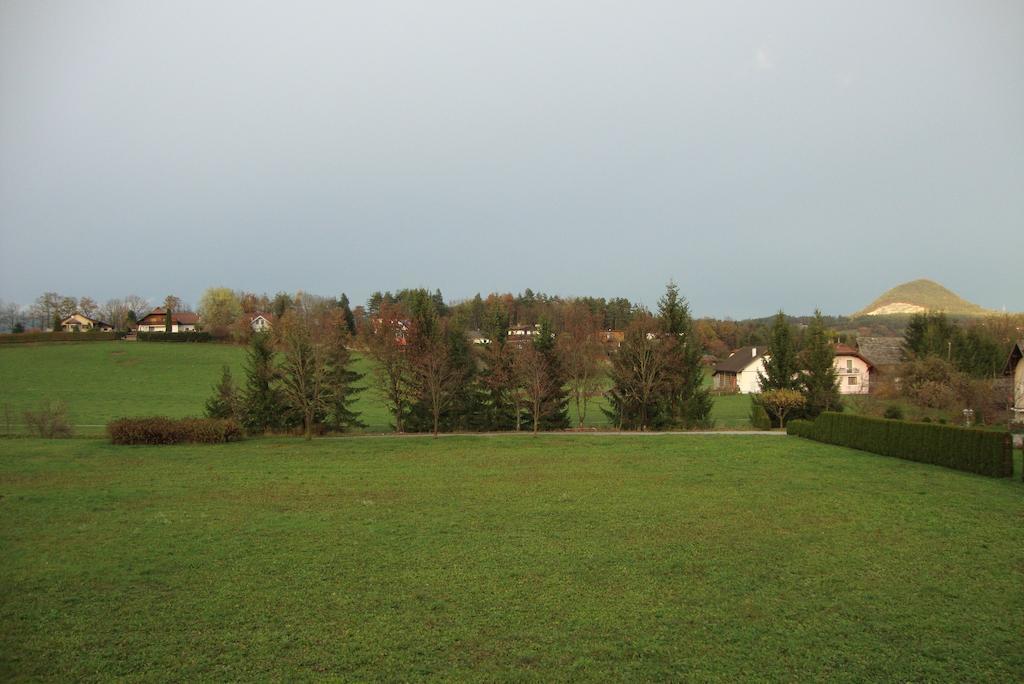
[[308, 421]]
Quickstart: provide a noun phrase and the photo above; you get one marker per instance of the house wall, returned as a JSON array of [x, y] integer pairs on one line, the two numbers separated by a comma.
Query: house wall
[[746, 380], [1018, 385], [854, 367], [161, 328]]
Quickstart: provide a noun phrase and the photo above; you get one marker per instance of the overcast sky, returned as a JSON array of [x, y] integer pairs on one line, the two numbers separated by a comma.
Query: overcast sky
[[764, 155]]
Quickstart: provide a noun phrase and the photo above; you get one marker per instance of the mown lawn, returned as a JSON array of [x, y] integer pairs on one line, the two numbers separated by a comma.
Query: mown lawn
[[101, 381], [556, 557]]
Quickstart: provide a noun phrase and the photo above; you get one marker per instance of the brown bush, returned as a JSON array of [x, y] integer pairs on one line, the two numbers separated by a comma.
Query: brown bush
[[50, 420], [162, 430]]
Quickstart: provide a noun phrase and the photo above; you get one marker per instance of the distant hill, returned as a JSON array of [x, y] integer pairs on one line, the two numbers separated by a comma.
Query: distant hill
[[918, 296]]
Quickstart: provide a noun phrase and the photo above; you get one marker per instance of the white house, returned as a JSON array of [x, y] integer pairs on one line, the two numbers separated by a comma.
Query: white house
[[260, 321], [853, 369], [78, 322], [739, 372]]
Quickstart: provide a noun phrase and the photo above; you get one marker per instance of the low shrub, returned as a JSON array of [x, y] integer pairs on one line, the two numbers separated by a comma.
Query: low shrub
[[50, 420], [894, 412], [759, 418], [24, 338], [192, 336], [162, 430], [800, 428], [984, 452]]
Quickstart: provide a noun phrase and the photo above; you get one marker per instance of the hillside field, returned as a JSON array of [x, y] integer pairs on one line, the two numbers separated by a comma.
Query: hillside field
[[516, 557], [101, 381]]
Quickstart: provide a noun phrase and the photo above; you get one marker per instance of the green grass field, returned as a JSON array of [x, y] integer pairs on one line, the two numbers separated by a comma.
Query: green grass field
[[101, 381], [505, 558]]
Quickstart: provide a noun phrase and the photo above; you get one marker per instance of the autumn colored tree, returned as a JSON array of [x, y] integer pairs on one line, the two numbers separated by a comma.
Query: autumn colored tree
[[219, 308], [303, 368], [385, 341], [582, 354], [640, 377], [537, 381], [780, 403]]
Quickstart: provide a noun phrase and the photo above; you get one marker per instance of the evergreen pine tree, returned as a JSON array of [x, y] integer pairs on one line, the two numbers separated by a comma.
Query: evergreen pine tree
[[224, 402], [687, 401], [342, 388], [819, 377], [556, 415], [168, 321], [639, 378], [262, 405], [346, 312], [781, 367]]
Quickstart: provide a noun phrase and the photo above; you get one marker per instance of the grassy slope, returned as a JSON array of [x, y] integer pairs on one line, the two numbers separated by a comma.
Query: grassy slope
[[105, 380], [544, 558], [928, 294]]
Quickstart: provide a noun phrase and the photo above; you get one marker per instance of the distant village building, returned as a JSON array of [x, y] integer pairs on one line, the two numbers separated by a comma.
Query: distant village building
[[520, 332], [77, 322], [884, 353], [611, 338], [477, 337], [260, 321], [156, 321], [739, 372], [853, 369]]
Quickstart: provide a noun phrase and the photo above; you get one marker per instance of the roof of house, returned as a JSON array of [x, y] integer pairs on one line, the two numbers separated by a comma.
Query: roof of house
[[268, 317], [740, 359], [881, 351], [1014, 358], [94, 321], [179, 317], [846, 350]]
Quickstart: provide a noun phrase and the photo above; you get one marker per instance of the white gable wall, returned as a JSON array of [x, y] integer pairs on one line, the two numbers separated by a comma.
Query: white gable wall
[[746, 380]]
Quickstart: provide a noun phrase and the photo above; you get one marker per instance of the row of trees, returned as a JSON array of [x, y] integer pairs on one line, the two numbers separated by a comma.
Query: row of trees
[[433, 379], [796, 383], [298, 377]]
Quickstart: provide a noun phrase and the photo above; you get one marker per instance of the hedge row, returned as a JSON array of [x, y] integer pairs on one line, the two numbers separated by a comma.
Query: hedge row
[[192, 336], [975, 451], [160, 430], [20, 338]]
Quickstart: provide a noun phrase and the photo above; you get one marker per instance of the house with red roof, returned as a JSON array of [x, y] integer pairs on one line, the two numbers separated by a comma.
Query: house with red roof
[[156, 321]]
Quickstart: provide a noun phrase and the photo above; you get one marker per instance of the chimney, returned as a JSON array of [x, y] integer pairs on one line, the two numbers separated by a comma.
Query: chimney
[[753, 352]]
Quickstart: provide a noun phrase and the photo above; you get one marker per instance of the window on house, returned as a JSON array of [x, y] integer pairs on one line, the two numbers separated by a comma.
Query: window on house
[[849, 365], [852, 380]]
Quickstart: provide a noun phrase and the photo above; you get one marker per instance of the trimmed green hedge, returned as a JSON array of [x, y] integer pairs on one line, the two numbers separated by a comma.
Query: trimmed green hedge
[[161, 430], [975, 451], [191, 336], [22, 338]]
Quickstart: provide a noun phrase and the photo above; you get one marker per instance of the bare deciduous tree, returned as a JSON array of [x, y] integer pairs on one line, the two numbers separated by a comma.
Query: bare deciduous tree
[[581, 354], [385, 342], [534, 380], [304, 349], [436, 374]]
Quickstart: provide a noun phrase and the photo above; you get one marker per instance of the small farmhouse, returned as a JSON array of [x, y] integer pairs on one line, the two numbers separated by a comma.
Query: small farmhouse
[[739, 372], [156, 321], [853, 369], [1015, 369], [260, 321], [77, 322]]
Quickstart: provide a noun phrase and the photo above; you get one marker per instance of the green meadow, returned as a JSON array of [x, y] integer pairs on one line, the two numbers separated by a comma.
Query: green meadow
[[101, 381], [558, 557]]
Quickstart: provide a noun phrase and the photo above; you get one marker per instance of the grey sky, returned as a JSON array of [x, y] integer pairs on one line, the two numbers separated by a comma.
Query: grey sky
[[762, 154]]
